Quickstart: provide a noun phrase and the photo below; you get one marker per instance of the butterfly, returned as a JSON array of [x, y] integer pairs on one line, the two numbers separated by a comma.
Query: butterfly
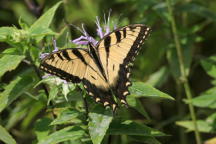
[[103, 69]]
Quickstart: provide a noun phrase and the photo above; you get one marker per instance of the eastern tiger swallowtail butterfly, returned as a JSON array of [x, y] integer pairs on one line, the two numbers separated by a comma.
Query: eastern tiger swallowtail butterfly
[[103, 69]]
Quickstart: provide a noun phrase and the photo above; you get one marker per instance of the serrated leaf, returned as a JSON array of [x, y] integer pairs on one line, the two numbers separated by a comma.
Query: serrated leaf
[[14, 90], [99, 122], [203, 126], [6, 137], [9, 62], [141, 89], [43, 23], [129, 127], [65, 134]]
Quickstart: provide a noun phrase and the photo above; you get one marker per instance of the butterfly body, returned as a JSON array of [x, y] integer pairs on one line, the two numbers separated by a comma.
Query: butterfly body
[[103, 69]]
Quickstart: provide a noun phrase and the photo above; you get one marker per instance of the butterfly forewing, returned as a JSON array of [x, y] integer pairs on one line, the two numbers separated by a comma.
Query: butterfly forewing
[[76, 65], [68, 64]]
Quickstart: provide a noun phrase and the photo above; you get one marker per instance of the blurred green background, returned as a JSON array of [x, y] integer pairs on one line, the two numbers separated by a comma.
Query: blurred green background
[[157, 65]]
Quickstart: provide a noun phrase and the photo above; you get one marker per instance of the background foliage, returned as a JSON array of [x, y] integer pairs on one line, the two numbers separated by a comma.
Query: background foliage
[[48, 111]]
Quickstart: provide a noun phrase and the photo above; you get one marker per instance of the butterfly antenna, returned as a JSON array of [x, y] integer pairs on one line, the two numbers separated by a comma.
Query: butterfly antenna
[[118, 19], [84, 31]]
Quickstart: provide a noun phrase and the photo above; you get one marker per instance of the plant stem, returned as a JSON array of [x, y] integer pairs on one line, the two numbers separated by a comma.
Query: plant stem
[[183, 77]]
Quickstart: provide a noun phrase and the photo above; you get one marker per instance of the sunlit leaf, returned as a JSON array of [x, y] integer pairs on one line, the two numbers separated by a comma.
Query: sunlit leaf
[[9, 62], [99, 122], [65, 134], [203, 126], [66, 117], [43, 23], [6, 137], [205, 100], [141, 89], [52, 93], [5, 32]]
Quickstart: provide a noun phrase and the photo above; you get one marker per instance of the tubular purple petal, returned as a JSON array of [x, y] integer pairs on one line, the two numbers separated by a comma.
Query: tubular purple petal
[[99, 28], [55, 45], [43, 55]]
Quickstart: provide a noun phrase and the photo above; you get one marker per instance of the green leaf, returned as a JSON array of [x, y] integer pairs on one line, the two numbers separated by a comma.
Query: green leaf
[[203, 126], [68, 116], [211, 118], [99, 121], [52, 93], [11, 51], [5, 32], [43, 23], [42, 31], [42, 128], [141, 89], [129, 127], [68, 133], [136, 104], [159, 77], [210, 66], [205, 100], [14, 90], [9, 62], [5, 136]]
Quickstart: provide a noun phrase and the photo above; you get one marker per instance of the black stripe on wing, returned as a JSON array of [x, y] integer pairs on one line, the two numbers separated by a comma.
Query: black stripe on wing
[[60, 73], [63, 56], [100, 95], [123, 83], [144, 32]]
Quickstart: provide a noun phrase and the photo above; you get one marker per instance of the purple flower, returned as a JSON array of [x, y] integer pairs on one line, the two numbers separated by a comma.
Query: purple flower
[[85, 39], [43, 55]]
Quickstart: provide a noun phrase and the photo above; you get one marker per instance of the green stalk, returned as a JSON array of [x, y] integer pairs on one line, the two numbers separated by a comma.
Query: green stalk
[[183, 77]]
